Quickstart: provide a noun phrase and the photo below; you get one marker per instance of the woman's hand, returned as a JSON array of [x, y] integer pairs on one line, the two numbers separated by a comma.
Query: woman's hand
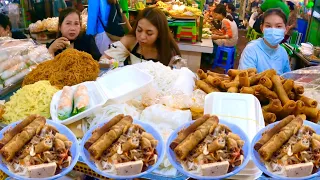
[[58, 44]]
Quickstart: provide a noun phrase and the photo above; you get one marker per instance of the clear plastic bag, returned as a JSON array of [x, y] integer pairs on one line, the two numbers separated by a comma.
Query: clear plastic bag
[[17, 59]]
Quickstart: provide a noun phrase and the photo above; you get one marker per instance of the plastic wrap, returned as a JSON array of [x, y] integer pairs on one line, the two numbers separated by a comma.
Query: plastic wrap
[[17, 59]]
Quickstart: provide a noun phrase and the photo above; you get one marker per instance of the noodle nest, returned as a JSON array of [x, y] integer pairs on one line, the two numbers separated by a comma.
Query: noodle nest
[[69, 68], [30, 99]]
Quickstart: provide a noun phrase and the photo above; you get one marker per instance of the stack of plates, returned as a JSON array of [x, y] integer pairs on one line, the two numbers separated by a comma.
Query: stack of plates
[[245, 111]]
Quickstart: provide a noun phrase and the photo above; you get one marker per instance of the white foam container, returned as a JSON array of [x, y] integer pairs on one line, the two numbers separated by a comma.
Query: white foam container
[[243, 110], [117, 87]]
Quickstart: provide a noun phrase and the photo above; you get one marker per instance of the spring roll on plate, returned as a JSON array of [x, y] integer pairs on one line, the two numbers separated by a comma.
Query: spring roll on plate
[[65, 103], [81, 99]]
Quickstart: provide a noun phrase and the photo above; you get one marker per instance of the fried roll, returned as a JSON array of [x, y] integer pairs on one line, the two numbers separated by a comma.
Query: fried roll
[[287, 110], [298, 89], [145, 143], [315, 136], [132, 143], [149, 136], [216, 145], [61, 137], [231, 144], [96, 134], [302, 116], [244, 79], [288, 85], [185, 132], [233, 136], [291, 95], [252, 71], [262, 90], [206, 87], [274, 106], [271, 132], [193, 139], [214, 81], [233, 90], [201, 74], [44, 145], [269, 117], [313, 114], [299, 107], [234, 72], [308, 101], [266, 82], [301, 145], [278, 88], [59, 145], [315, 144], [106, 140], [17, 129], [280, 138], [247, 90]]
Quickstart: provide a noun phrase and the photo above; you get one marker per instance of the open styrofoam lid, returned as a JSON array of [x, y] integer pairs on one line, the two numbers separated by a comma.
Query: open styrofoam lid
[[243, 110]]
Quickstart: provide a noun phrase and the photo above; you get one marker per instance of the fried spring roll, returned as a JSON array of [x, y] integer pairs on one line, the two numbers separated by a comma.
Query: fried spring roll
[[271, 132], [298, 89], [106, 140], [315, 136], [255, 78], [269, 117], [247, 90], [231, 144], [244, 79], [214, 81], [280, 138], [266, 82], [44, 145], [59, 145], [262, 90], [274, 106], [270, 73], [302, 116], [308, 101], [291, 95], [216, 145], [206, 87], [132, 143], [17, 129], [299, 107], [301, 145], [96, 134], [252, 71], [234, 72], [278, 88], [185, 132], [288, 109], [201, 74], [288, 85], [61, 137], [313, 114], [315, 144], [193, 139], [233, 90]]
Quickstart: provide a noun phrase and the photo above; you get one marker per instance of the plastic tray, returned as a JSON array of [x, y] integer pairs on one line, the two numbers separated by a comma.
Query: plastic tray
[[261, 166], [235, 129], [117, 87], [75, 151], [160, 149]]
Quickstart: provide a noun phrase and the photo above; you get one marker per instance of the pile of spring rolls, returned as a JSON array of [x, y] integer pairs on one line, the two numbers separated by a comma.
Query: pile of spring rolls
[[122, 148], [73, 102], [279, 97], [208, 148], [290, 148], [35, 149]]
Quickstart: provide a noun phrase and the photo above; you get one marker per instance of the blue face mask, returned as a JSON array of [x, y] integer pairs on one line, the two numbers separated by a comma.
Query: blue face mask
[[273, 35]]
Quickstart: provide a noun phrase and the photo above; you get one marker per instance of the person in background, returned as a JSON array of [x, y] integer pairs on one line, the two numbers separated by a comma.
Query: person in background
[[257, 23], [228, 34], [231, 10], [5, 29], [58, 5], [149, 39], [292, 21], [266, 53], [69, 35]]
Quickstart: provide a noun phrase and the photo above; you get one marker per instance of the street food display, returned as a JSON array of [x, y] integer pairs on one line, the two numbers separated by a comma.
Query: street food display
[[35, 149], [178, 10], [278, 97]]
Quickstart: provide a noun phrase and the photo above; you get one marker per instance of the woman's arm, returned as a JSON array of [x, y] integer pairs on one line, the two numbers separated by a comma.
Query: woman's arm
[[58, 44], [121, 48]]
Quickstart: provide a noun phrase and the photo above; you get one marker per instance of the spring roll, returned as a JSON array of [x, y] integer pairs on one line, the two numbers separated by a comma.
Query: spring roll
[[227, 85], [81, 99], [278, 88], [302, 116], [185, 132], [105, 141], [287, 109], [132, 143], [291, 95], [274, 106], [267, 150], [298, 89], [233, 90], [301, 145], [19, 76], [269, 117], [193, 139], [266, 82], [244, 79], [234, 72], [206, 87], [255, 78], [65, 103], [315, 144], [61, 137], [299, 107], [214, 81], [265, 92], [201, 74], [44, 145], [59, 145], [96, 134], [315, 136], [13, 70], [145, 143], [231, 144], [216, 145], [270, 73], [17, 129], [247, 90], [288, 85], [313, 114], [149, 136], [252, 71], [308, 101], [271, 132]]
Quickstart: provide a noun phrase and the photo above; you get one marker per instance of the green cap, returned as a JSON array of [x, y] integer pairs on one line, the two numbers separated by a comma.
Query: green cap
[[269, 4]]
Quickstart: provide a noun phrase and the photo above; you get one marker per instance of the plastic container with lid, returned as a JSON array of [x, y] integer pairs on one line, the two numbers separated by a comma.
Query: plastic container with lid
[[117, 87]]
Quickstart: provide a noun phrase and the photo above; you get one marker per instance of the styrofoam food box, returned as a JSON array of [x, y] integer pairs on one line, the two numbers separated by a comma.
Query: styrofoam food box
[[247, 177], [118, 87]]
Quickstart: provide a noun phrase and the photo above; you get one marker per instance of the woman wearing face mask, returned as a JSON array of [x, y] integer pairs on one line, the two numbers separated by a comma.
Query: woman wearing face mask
[[149, 39], [266, 53], [71, 37]]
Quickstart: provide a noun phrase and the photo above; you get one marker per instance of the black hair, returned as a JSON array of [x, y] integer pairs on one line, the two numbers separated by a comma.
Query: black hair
[[220, 9], [275, 11], [231, 7], [5, 21], [291, 5], [64, 13]]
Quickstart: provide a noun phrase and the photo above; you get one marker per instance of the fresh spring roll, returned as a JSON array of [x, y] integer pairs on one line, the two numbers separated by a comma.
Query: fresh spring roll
[[185, 132], [17, 129], [265, 81], [19, 140], [267, 150], [14, 79], [5, 65], [105, 141], [193, 139], [216, 145], [244, 79], [206, 87], [201, 74], [96, 134], [65, 103], [274, 106], [81, 99], [308, 101], [13, 70], [271, 132]]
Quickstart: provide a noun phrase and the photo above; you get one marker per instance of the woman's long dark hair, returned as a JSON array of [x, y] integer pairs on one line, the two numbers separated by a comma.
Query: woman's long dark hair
[[63, 14], [165, 44], [275, 11], [221, 9]]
